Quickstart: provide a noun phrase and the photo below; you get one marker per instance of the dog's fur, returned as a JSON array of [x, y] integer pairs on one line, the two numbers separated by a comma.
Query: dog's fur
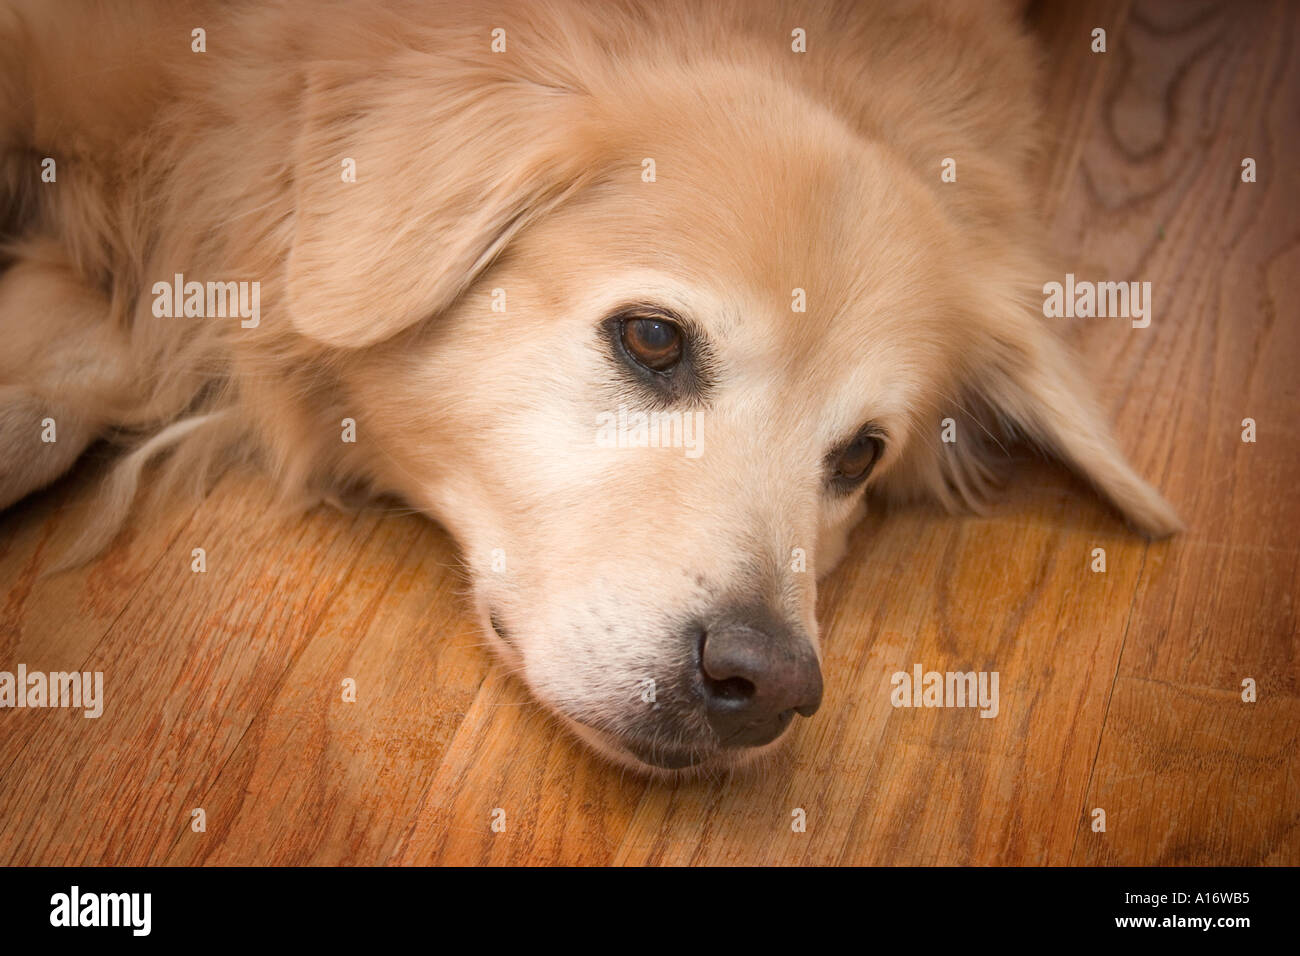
[[522, 171]]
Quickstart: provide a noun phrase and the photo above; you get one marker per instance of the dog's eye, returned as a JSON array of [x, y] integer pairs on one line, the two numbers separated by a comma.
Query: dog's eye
[[652, 342], [664, 356], [854, 462]]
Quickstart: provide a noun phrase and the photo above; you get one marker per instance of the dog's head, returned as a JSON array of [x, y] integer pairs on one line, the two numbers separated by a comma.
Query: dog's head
[[644, 348]]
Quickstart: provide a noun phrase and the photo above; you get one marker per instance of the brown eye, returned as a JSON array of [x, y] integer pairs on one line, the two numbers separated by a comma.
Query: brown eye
[[652, 342], [855, 462]]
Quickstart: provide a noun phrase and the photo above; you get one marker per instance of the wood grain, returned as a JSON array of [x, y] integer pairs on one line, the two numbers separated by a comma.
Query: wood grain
[[1119, 691]]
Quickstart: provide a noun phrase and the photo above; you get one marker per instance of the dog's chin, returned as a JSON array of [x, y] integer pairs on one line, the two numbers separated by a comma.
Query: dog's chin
[[670, 763]]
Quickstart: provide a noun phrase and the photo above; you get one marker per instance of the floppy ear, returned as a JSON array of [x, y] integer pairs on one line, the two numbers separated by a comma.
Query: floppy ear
[[451, 161], [1021, 381], [1035, 383]]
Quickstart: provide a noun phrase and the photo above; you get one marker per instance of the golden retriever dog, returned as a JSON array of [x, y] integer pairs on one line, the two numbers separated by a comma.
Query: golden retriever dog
[[638, 298]]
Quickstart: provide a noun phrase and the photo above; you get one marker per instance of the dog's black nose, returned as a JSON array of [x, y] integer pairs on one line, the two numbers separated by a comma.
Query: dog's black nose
[[758, 673]]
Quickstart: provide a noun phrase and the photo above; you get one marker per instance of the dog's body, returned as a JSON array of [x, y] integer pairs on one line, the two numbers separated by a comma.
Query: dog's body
[[465, 299]]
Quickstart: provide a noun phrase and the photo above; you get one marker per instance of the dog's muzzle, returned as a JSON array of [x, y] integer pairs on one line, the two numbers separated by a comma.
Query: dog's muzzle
[[750, 674]]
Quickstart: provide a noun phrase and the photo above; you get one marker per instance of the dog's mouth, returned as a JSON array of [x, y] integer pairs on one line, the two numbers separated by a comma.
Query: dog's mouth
[[649, 755], [665, 758], [499, 628]]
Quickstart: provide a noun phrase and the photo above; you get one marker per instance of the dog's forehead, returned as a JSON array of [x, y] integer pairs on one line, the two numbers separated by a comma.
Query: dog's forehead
[[816, 257], [784, 203]]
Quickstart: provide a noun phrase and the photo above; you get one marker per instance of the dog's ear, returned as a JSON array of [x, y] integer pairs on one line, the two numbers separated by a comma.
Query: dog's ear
[[1021, 381], [449, 164], [1036, 384]]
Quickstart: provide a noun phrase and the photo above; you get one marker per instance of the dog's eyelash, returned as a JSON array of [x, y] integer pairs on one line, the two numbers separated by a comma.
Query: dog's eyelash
[[688, 382]]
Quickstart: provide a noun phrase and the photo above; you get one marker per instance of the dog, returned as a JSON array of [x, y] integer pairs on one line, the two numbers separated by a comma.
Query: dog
[[639, 299]]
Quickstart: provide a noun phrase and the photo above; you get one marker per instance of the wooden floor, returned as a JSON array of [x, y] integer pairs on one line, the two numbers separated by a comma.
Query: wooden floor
[[1120, 691]]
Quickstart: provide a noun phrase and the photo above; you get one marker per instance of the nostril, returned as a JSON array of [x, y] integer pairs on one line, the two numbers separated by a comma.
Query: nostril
[[732, 689], [722, 683]]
